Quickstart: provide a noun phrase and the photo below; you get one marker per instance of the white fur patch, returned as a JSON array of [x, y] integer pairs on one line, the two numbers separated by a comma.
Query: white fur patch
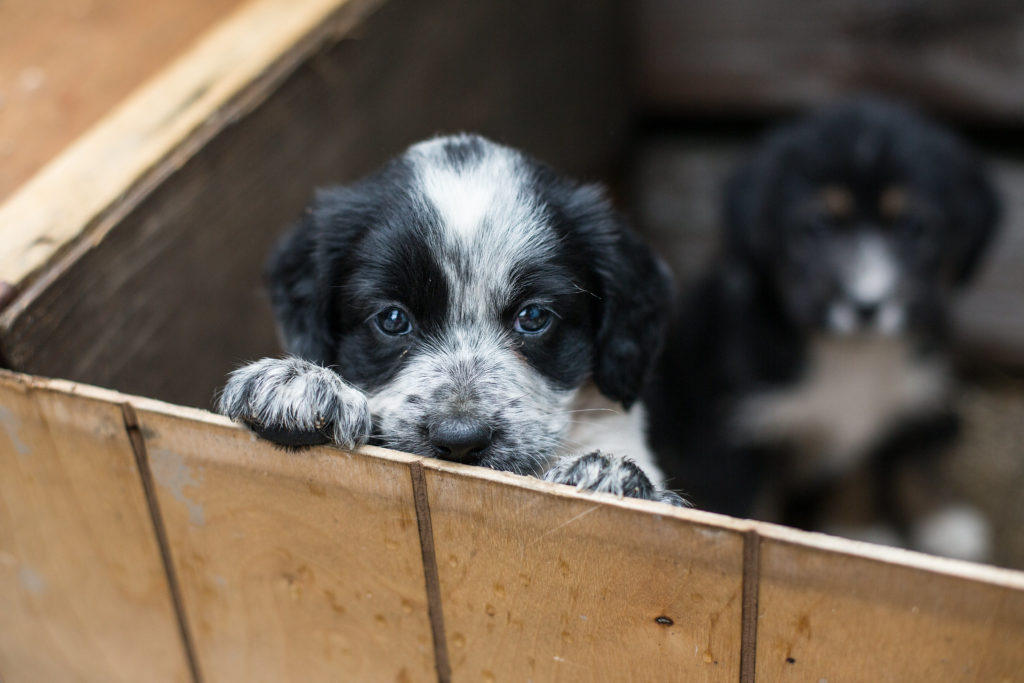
[[958, 531], [871, 275], [489, 217], [597, 423], [854, 389]]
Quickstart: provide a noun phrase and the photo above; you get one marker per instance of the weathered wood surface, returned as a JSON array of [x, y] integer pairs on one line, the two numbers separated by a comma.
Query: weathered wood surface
[[313, 566], [83, 593], [826, 613], [130, 150], [293, 566], [161, 296], [676, 187], [66, 63], [552, 587], [961, 57]]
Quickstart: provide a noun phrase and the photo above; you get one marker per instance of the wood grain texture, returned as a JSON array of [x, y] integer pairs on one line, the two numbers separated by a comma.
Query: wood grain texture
[[829, 614], [130, 149], [546, 587], [957, 56], [293, 566], [167, 298], [83, 593], [64, 64]]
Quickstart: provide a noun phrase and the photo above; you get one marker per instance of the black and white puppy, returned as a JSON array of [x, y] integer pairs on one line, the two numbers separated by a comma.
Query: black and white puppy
[[814, 346], [468, 303]]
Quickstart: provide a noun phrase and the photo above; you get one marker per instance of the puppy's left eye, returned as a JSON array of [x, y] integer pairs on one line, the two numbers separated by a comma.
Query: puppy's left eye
[[393, 321], [532, 319]]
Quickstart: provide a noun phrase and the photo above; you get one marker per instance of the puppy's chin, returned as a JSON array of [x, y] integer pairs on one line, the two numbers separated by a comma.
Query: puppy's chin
[[843, 319]]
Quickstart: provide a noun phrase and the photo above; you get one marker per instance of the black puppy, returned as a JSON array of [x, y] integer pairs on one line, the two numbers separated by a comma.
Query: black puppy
[[465, 302], [814, 345]]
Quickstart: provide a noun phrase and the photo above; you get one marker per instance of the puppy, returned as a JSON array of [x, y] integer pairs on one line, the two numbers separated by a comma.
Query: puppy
[[814, 346], [467, 303]]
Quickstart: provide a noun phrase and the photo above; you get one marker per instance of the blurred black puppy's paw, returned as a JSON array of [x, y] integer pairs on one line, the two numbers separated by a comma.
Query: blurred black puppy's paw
[[602, 473], [295, 404]]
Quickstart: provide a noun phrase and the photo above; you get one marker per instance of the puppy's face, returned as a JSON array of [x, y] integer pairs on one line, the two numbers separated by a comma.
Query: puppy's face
[[864, 218], [469, 292]]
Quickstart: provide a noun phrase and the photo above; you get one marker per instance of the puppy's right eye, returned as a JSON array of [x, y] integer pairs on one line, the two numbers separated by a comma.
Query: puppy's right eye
[[393, 321]]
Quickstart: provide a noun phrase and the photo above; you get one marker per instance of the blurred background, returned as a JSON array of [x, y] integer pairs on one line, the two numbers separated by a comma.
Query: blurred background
[[686, 87]]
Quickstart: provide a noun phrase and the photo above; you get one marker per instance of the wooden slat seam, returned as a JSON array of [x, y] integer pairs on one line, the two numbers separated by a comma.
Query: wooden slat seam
[[430, 572], [748, 618], [138, 443]]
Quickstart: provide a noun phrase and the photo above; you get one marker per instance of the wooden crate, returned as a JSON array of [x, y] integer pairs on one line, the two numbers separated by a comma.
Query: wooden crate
[[142, 540]]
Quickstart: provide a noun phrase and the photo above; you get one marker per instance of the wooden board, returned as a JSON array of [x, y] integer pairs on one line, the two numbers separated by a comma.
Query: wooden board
[[541, 586], [326, 565], [161, 295], [46, 48], [83, 593], [826, 613], [293, 566], [677, 183], [745, 59]]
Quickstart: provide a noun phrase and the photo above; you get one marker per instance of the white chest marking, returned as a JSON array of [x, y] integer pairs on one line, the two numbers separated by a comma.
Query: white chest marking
[[854, 390], [597, 423]]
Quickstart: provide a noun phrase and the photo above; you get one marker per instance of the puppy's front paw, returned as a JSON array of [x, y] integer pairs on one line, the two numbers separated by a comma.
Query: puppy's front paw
[[295, 403], [602, 473]]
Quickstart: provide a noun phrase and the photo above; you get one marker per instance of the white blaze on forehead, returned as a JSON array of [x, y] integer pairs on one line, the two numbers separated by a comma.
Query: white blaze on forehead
[[871, 276], [488, 214]]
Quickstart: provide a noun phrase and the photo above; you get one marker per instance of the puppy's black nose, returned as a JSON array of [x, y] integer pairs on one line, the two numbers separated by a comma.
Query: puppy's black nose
[[460, 439], [866, 311]]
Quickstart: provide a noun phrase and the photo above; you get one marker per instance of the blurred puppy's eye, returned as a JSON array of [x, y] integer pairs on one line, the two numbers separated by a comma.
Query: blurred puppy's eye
[[393, 321], [532, 319]]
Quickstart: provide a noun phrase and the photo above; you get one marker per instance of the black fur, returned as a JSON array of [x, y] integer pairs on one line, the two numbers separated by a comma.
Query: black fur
[[746, 326]]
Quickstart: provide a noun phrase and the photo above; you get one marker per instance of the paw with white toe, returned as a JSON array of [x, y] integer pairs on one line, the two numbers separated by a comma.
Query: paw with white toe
[[295, 403], [601, 473]]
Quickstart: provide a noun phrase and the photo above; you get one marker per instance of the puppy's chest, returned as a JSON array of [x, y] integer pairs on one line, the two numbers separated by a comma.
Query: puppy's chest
[[852, 393]]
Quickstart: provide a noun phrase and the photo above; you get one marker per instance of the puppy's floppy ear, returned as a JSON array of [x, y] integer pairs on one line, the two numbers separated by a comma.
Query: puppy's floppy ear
[[976, 210], [299, 276], [636, 292]]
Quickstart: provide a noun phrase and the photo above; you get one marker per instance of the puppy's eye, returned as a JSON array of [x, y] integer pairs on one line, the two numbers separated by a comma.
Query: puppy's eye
[[532, 319], [393, 321]]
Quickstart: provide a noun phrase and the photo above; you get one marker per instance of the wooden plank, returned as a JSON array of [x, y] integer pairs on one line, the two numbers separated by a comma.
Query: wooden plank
[[128, 149], [142, 304], [293, 566], [836, 611], [47, 45], [83, 593], [734, 57], [541, 583]]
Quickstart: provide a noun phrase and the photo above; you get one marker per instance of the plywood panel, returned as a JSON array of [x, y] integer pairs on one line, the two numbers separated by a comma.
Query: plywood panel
[[959, 56], [556, 586], [826, 613], [83, 593], [66, 63], [293, 566]]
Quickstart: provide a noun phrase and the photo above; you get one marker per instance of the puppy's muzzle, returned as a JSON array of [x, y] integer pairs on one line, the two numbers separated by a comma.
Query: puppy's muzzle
[[460, 439]]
